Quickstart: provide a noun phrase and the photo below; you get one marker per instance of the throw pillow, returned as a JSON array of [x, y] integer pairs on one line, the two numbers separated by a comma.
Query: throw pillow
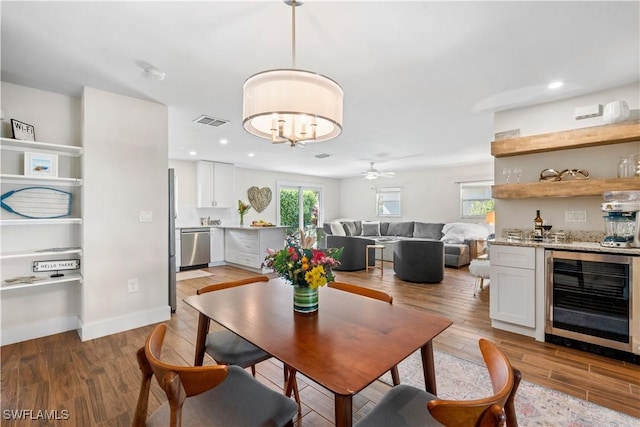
[[404, 229], [424, 230], [370, 228], [349, 228], [384, 228], [358, 228], [337, 229], [458, 232]]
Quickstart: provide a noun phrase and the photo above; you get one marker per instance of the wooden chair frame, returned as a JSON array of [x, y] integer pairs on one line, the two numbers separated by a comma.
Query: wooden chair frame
[[478, 412], [290, 386]]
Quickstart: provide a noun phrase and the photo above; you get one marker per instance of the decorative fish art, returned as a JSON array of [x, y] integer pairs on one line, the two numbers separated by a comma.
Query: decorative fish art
[[37, 202]]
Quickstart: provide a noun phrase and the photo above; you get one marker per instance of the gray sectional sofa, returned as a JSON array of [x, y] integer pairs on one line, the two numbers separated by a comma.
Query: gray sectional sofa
[[352, 232]]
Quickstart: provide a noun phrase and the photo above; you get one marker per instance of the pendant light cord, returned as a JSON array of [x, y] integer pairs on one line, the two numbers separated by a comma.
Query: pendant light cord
[[293, 34]]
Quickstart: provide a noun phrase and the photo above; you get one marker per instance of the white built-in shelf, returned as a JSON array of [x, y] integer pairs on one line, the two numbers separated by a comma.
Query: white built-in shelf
[[46, 147], [44, 252], [31, 180], [75, 277], [50, 221]]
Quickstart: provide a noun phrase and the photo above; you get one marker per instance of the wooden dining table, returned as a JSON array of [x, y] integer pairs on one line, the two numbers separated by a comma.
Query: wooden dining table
[[346, 345]]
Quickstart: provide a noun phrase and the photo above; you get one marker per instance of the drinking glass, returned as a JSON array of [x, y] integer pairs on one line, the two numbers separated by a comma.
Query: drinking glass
[[506, 172], [518, 173]]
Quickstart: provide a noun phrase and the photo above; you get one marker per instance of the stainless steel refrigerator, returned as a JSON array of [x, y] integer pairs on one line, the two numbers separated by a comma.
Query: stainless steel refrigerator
[[172, 240]]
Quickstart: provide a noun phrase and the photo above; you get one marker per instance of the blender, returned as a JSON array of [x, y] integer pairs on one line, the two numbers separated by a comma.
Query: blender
[[621, 221]]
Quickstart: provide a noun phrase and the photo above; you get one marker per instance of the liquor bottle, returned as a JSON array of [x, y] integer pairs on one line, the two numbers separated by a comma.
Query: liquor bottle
[[537, 227]]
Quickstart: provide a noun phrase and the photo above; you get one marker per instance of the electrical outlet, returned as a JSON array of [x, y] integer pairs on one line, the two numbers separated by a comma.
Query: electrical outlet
[[146, 216], [575, 216], [132, 285]]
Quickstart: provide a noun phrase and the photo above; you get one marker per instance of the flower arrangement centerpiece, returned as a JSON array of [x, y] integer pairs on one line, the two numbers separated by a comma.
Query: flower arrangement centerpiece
[[243, 208], [305, 267]]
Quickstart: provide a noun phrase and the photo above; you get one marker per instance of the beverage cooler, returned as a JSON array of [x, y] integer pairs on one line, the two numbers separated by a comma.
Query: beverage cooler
[[594, 298]]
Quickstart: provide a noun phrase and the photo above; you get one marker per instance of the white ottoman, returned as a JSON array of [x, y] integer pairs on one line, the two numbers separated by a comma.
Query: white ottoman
[[480, 269]]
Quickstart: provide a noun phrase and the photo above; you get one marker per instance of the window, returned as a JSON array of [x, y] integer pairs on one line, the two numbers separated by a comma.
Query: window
[[388, 202], [475, 199]]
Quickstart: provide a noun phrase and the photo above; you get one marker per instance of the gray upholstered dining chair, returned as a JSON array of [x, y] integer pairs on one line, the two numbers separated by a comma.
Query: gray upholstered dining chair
[[404, 405], [217, 395], [228, 348]]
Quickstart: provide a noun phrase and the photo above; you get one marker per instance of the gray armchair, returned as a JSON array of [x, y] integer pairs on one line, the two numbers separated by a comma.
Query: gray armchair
[[419, 260], [353, 256]]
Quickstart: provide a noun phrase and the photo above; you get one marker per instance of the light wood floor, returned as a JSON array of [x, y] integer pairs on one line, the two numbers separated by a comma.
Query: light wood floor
[[97, 381]]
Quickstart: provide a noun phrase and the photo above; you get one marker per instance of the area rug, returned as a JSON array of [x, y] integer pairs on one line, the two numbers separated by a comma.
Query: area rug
[[192, 274], [460, 379]]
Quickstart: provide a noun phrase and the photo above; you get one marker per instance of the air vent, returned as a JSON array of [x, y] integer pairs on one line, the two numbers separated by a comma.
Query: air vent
[[210, 121], [322, 156]]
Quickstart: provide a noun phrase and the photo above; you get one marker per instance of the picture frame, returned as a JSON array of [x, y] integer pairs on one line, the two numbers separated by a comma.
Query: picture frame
[[41, 165], [23, 131]]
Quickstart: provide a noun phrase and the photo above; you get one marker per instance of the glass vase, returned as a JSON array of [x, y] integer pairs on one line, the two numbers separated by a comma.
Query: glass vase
[[305, 299], [241, 219]]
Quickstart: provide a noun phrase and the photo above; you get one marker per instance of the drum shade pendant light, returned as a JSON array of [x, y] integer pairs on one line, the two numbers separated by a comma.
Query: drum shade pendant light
[[291, 105]]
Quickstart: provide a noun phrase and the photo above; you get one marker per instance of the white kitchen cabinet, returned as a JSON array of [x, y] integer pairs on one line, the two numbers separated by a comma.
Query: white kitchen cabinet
[[513, 288], [214, 185], [217, 246], [247, 247]]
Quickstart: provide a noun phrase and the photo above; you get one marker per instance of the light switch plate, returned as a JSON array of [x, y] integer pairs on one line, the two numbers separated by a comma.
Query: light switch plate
[[146, 216]]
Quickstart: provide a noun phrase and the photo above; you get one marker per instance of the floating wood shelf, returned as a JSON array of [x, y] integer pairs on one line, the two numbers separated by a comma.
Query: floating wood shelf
[[578, 138], [587, 187]]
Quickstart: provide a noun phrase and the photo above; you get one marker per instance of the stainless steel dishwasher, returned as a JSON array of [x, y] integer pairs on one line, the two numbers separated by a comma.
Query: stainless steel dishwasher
[[195, 247]]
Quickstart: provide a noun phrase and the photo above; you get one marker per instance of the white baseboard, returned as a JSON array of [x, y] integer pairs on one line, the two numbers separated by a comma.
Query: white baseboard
[[38, 329], [102, 328]]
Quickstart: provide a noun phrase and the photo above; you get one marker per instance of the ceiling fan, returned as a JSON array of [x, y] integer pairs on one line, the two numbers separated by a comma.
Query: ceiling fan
[[373, 173]]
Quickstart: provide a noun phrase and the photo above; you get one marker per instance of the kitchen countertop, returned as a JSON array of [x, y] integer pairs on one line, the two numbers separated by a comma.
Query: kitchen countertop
[[575, 246], [234, 227]]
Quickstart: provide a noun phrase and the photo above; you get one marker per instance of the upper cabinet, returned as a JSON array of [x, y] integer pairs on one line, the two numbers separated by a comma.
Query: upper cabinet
[[579, 138], [214, 185]]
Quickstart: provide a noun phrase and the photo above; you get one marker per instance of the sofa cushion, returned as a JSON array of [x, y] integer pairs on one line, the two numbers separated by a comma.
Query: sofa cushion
[[455, 248], [349, 228], [326, 227], [423, 230], [401, 229], [337, 229], [371, 228]]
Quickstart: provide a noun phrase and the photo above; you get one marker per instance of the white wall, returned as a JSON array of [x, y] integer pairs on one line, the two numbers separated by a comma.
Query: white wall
[[601, 162], [125, 171], [428, 195], [39, 311], [189, 215]]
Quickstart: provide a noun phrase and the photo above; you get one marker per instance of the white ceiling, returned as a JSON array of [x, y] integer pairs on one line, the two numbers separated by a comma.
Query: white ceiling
[[421, 79]]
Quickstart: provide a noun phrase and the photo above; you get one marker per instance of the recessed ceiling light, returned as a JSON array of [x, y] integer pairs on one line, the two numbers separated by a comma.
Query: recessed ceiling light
[[192, 153], [224, 142], [251, 154], [555, 85]]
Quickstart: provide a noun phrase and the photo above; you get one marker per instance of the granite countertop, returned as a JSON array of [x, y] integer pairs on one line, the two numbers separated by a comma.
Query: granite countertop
[[231, 226], [575, 246]]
